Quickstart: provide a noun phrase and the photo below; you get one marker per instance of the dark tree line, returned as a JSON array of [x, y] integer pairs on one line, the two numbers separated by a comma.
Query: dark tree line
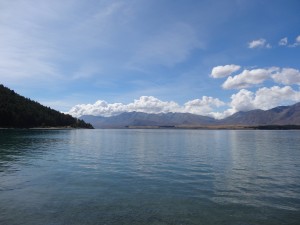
[[17, 111]]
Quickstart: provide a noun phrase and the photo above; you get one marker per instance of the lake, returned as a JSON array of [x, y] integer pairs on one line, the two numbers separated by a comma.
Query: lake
[[90, 177]]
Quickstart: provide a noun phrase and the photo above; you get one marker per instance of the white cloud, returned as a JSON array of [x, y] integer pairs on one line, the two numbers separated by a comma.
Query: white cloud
[[98, 108], [267, 98], [204, 106], [259, 43], [242, 101], [262, 43], [151, 104], [283, 41], [264, 98], [297, 42], [248, 78], [148, 104], [287, 76], [224, 71]]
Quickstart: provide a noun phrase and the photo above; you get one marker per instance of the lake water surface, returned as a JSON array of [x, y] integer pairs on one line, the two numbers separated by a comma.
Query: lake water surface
[[90, 177]]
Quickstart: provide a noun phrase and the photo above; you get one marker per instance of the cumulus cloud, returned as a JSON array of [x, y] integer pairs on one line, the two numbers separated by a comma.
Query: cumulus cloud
[[283, 41], [148, 104], [204, 106], [259, 43], [267, 98], [287, 76], [264, 98], [224, 71], [151, 104], [98, 108], [242, 101], [248, 78]]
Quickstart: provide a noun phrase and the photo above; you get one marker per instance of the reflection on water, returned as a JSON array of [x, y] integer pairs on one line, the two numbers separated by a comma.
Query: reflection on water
[[149, 177], [263, 170]]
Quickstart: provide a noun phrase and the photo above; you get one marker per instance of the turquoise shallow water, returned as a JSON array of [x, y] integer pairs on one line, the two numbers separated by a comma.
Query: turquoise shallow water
[[56, 177]]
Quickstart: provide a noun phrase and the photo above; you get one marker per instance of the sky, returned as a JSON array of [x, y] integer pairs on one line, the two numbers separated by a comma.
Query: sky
[[105, 57]]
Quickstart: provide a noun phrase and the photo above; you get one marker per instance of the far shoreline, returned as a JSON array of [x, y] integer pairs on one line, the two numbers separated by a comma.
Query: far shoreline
[[212, 127], [179, 127]]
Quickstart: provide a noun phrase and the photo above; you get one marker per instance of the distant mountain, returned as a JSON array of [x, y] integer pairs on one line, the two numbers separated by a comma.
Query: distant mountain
[[17, 111], [282, 115], [145, 119]]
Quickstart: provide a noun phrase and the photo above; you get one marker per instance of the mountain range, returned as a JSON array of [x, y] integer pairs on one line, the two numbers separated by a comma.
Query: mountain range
[[279, 116]]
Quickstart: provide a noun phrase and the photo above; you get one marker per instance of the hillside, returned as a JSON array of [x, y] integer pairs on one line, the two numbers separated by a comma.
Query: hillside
[[17, 111], [282, 115]]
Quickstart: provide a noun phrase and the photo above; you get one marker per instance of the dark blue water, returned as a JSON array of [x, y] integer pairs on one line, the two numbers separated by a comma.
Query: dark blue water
[[56, 177]]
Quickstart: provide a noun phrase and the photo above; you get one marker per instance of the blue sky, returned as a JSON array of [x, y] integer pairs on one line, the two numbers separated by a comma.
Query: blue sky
[[106, 57]]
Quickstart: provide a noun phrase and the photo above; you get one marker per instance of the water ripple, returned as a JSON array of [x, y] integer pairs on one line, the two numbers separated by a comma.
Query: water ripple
[[149, 177]]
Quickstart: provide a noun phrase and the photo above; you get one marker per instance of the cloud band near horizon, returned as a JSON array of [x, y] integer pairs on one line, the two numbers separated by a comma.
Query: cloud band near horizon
[[244, 100]]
